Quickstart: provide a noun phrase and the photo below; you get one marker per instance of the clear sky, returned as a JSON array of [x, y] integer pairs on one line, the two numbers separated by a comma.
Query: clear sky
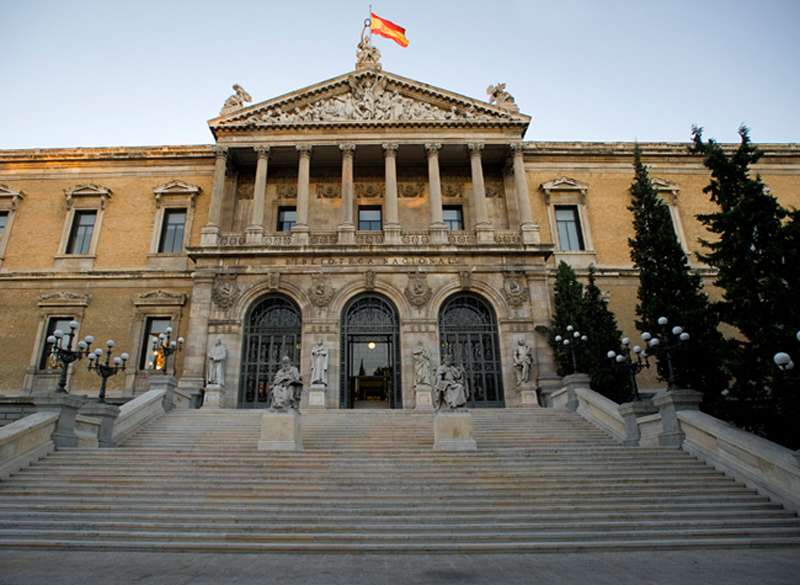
[[145, 72]]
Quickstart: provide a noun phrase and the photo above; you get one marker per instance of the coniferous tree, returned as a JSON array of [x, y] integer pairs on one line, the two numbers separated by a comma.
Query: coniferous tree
[[567, 310], [669, 288], [756, 255]]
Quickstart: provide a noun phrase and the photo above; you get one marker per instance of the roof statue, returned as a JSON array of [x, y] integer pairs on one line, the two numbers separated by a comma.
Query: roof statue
[[367, 55], [498, 94], [236, 101]]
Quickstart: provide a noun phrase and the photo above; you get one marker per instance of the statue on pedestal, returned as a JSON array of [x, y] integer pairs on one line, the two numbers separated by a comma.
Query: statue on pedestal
[[523, 361], [287, 386], [422, 366], [319, 364], [450, 387], [216, 363], [367, 53]]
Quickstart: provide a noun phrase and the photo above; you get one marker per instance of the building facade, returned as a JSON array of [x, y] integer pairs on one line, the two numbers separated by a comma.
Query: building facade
[[383, 220]]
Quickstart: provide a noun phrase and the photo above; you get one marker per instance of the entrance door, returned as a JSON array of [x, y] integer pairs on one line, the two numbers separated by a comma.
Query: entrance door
[[370, 341], [272, 329]]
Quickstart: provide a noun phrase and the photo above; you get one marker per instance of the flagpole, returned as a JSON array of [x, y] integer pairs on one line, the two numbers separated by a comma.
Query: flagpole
[[370, 23]]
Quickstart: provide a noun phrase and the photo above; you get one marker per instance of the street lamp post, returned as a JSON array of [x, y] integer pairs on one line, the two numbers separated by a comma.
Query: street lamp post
[[665, 347], [165, 348], [625, 361], [106, 370], [785, 364], [66, 355], [571, 343]]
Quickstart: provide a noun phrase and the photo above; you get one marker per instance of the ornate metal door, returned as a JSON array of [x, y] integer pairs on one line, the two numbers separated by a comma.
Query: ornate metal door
[[272, 330], [371, 321], [468, 333]]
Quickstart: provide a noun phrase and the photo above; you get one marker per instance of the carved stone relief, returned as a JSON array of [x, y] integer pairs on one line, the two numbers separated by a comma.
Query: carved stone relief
[[494, 190], [418, 292], [327, 191], [452, 190], [65, 298], [286, 191], [466, 279], [274, 279], [321, 291], [515, 289], [245, 186], [224, 291], [369, 190], [369, 280], [411, 190]]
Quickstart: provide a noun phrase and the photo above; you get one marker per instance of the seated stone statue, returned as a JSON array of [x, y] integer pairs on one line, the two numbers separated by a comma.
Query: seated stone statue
[[450, 388], [287, 386]]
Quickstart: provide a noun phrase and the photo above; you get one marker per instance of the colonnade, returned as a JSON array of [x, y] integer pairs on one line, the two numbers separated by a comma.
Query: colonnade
[[391, 228]]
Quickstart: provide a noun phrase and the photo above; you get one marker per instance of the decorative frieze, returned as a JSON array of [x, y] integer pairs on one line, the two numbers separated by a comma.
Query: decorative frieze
[[159, 298], [286, 191], [64, 299], [284, 240], [461, 238], [327, 191], [370, 190], [411, 190]]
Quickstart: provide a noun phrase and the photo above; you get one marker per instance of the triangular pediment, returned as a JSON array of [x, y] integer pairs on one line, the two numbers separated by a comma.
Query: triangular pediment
[[565, 184], [366, 98]]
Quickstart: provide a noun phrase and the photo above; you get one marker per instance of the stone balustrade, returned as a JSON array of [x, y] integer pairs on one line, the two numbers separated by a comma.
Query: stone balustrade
[[25, 441]]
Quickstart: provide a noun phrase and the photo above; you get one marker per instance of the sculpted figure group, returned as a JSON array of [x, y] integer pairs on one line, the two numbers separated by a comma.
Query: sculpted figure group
[[287, 386], [450, 389]]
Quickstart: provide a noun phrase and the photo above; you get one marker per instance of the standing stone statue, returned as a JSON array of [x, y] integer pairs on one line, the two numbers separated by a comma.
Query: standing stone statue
[[422, 365], [319, 364], [216, 363], [450, 388], [523, 361], [287, 386]]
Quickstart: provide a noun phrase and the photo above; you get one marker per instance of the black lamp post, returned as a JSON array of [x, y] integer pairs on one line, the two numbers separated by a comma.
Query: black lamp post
[[106, 370], [571, 343], [666, 346], [66, 355], [165, 348], [626, 361]]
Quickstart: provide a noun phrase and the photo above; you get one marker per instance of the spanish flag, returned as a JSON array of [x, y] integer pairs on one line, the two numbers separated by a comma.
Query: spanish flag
[[389, 30]]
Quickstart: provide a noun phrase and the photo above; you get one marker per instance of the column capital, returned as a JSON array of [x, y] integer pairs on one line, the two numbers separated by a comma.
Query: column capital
[[305, 150], [390, 149], [347, 148], [433, 148], [475, 148], [220, 151], [516, 148], [262, 150]]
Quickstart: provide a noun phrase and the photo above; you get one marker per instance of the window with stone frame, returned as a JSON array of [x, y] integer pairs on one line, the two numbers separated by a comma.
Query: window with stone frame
[[80, 236], [47, 361], [453, 217], [568, 224], [86, 205], [287, 217], [9, 201], [150, 359], [567, 213], [369, 218], [172, 231]]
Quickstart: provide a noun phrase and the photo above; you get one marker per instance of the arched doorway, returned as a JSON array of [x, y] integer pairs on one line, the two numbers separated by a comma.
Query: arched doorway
[[468, 333], [370, 354], [272, 329]]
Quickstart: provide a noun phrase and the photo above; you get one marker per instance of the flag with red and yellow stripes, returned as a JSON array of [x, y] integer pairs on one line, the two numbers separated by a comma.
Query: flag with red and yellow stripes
[[389, 30]]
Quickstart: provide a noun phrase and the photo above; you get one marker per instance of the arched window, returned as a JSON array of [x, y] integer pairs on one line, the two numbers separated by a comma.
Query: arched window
[[272, 329], [468, 333]]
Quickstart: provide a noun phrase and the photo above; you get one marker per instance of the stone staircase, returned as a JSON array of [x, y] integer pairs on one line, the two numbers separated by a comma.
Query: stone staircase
[[541, 480]]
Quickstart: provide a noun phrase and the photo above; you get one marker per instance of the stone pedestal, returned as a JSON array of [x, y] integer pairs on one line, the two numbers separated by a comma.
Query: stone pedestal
[[669, 402], [316, 396], [255, 235], [439, 234], [391, 234], [213, 397], [423, 397], [281, 431], [572, 383], [209, 236], [547, 385], [67, 407], [485, 234], [453, 431], [168, 384], [631, 412], [530, 234], [347, 233], [107, 413], [528, 395]]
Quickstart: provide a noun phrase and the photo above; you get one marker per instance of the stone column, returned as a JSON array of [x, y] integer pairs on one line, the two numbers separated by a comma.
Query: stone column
[[438, 229], [255, 231], [347, 228], [391, 227], [209, 235], [669, 402], [483, 227], [528, 229], [300, 231]]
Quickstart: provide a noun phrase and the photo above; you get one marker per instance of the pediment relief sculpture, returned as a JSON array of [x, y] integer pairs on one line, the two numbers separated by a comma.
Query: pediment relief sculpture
[[176, 187], [159, 298], [565, 184], [63, 299], [87, 190]]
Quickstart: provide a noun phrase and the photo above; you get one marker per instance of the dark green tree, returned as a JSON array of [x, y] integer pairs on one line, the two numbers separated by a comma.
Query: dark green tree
[[669, 288], [567, 310], [755, 252]]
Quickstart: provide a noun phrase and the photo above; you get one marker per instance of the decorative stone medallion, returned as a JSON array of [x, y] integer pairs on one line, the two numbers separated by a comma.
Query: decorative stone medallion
[[418, 292], [224, 291], [515, 289], [321, 291], [369, 280]]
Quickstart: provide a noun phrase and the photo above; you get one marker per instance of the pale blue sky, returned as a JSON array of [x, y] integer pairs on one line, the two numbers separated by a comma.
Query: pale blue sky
[[144, 72]]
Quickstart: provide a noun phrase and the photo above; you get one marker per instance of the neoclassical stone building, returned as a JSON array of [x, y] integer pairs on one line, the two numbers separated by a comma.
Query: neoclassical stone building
[[372, 212]]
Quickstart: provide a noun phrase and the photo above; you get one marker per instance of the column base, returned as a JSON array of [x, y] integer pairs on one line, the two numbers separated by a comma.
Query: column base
[[281, 431], [300, 235], [347, 233], [423, 397], [453, 431], [439, 234], [209, 236], [391, 234], [530, 233], [485, 234], [255, 235]]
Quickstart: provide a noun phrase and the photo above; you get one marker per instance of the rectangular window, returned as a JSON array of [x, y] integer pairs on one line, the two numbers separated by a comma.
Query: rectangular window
[[3, 221], [47, 362], [287, 217], [453, 217], [81, 235], [369, 219], [151, 360], [172, 231], [569, 228]]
